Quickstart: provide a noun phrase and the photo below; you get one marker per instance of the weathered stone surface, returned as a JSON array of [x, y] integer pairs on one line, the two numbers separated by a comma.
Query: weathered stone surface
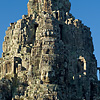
[[5, 89], [48, 55]]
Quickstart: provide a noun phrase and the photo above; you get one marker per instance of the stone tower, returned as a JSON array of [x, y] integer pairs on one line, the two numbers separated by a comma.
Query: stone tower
[[49, 54]]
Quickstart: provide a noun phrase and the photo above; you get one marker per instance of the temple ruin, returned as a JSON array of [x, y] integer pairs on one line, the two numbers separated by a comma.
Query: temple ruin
[[49, 54]]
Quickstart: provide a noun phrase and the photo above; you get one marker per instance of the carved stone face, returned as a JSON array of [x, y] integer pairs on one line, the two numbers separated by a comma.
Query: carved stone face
[[46, 76], [61, 5], [48, 6]]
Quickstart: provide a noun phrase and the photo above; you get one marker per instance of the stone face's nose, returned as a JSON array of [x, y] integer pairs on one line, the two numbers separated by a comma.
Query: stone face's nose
[[48, 6]]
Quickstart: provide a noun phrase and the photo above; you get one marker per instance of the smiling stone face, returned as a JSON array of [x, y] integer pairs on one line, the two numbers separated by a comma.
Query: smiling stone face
[[48, 6], [61, 5]]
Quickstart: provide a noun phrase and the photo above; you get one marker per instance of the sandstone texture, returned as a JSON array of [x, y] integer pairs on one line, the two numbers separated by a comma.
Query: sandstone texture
[[48, 55]]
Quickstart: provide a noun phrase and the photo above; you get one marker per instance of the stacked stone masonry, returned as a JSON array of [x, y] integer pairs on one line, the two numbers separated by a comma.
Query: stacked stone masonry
[[49, 54]]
